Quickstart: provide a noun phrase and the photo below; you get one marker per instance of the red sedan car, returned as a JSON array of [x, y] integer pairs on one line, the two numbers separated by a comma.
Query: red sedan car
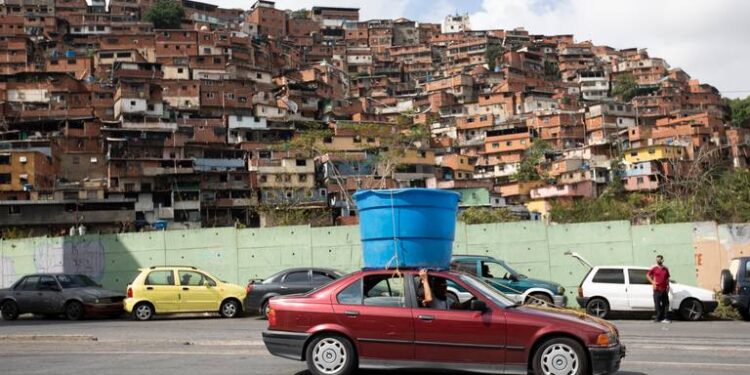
[[375, 319]]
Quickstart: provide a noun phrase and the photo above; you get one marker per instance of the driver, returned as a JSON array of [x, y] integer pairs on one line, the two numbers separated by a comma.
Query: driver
[[435, 293]]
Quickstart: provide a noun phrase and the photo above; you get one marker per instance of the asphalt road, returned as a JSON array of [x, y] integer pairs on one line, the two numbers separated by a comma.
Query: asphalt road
[[207, 345]]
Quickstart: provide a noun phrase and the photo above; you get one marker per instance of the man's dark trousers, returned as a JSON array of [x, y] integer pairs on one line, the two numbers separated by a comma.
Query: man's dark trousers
[[661, 305]]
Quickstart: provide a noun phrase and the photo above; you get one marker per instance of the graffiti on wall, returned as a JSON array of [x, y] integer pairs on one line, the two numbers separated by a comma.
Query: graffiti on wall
[[82, 257], [7, 272]]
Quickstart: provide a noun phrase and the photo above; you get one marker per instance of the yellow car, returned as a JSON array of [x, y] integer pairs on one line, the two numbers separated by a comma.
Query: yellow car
[[176, 289]]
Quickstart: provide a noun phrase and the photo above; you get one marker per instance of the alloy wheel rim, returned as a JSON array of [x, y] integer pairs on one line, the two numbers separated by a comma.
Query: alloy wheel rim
[[597, 308], [694, 310], [9, 310], [230, 309], [74, 310], [559, 359], [329, 356], [143, 312]]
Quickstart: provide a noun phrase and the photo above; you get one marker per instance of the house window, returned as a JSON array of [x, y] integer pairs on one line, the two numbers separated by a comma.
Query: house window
[[302, 178], [263, 178], [4, 178], [639, 180], [301, 162], [5, 159], [132, 103], [287, 178], [180, 70], [76, 160]]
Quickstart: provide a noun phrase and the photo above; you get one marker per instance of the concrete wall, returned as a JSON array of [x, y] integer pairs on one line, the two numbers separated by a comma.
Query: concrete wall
[[695, 252]]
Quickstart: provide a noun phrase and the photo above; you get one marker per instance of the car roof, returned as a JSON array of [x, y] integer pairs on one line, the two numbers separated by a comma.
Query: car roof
[[473, 257], [630, 267]]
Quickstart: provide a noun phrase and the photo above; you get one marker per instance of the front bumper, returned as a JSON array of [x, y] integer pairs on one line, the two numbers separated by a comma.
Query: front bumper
[[102, 309], [289, 345], [606, 360], [560, 301]]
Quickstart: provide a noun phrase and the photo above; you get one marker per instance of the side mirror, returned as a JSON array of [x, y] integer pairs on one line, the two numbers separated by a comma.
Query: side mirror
[[477, 305], [513, 278], [207, 283]]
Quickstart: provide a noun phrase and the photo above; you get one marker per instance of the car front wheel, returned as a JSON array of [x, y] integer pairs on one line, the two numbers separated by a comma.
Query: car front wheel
[[229, 309], [331, 355], [9, 310], [691, 310], [560, 356], [74, 310]]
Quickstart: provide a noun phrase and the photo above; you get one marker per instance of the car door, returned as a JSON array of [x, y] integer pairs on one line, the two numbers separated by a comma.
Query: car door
[[25, 292], [610, 284], [640, 291], [459, 335], [161, 289], [198, 292], [49, 296], [296, 282], [374, 308]]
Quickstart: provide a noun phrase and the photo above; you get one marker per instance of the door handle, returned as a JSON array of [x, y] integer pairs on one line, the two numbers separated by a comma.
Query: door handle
[[149, 288], [426, 317], [185, 288], [351, 313]]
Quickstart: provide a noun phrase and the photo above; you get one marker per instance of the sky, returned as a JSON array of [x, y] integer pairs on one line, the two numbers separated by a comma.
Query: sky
[[709, 39]]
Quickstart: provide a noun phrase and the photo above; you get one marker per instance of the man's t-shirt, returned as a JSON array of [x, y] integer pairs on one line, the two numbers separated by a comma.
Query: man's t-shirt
[[660, 275]]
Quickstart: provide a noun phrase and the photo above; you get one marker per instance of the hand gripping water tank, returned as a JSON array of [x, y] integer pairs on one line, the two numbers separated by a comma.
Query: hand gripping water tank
[[407, 228]]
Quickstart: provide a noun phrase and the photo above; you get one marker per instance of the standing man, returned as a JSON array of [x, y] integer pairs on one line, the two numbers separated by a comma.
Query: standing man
[[659, 276]]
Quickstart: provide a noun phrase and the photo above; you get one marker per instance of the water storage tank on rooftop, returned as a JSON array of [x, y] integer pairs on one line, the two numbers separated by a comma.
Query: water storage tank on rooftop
[[407, 228]]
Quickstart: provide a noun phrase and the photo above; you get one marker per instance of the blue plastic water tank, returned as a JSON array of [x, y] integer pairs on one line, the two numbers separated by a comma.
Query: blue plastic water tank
[[70, 54], [407, 228]]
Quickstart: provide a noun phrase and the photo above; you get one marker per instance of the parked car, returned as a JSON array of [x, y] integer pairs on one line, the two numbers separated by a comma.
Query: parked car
[[291, 281], [735, 285], [626, 289], [181, 289], [372, 319], [513, 284], [53, 294]]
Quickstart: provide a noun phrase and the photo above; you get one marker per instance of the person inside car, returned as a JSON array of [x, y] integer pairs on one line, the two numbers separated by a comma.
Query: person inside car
[[433, 293]]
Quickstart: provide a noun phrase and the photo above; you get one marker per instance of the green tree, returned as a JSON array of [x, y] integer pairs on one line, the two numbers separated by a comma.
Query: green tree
[[494, 54], [740, 112], [625, 87], [529, 169], [299, 14], [484, 215], [165, 14]]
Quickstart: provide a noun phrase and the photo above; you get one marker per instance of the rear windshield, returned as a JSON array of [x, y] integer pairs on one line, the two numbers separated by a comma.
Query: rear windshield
[[75, 281]]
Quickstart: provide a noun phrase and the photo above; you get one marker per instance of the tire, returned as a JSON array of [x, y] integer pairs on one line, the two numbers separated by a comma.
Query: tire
[[691, 310], [746, 314], [264, 309], [598, 307], [9, 310], [539, 299], [331, 354], [143, 311], [74, 310], [230, 309], [726, 282], [560, 356]]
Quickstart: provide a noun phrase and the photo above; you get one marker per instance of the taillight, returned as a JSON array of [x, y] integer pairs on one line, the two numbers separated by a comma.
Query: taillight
[[249, 288], [580, 292], [271, 317], [130, 292]]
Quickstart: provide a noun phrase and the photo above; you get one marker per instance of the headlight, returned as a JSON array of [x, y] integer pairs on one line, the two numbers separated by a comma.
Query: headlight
[[560, 290]]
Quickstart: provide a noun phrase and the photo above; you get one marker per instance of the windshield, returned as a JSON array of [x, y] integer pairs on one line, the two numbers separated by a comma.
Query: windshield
[[75, 281], [493, 294]]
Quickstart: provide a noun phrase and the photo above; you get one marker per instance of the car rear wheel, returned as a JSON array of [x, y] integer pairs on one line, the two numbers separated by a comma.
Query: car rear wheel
[[264, 308], [539, 299], [9, 310], [598, 307], [143, 311], [691, 309], [229, 309], [560, 356], [74, 310], [331, 355]]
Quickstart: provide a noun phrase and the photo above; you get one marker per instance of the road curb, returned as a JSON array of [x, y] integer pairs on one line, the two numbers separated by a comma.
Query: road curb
[[55, 338]]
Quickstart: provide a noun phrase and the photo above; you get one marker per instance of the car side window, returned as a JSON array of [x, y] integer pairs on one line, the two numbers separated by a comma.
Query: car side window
[[191, 278], [47, 283], [609, 276], [160, 278], [351, 295], [494, 270], [29, 283], [297, 277], [321, 277], [466, 267], [384, 290], [638, 277]]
